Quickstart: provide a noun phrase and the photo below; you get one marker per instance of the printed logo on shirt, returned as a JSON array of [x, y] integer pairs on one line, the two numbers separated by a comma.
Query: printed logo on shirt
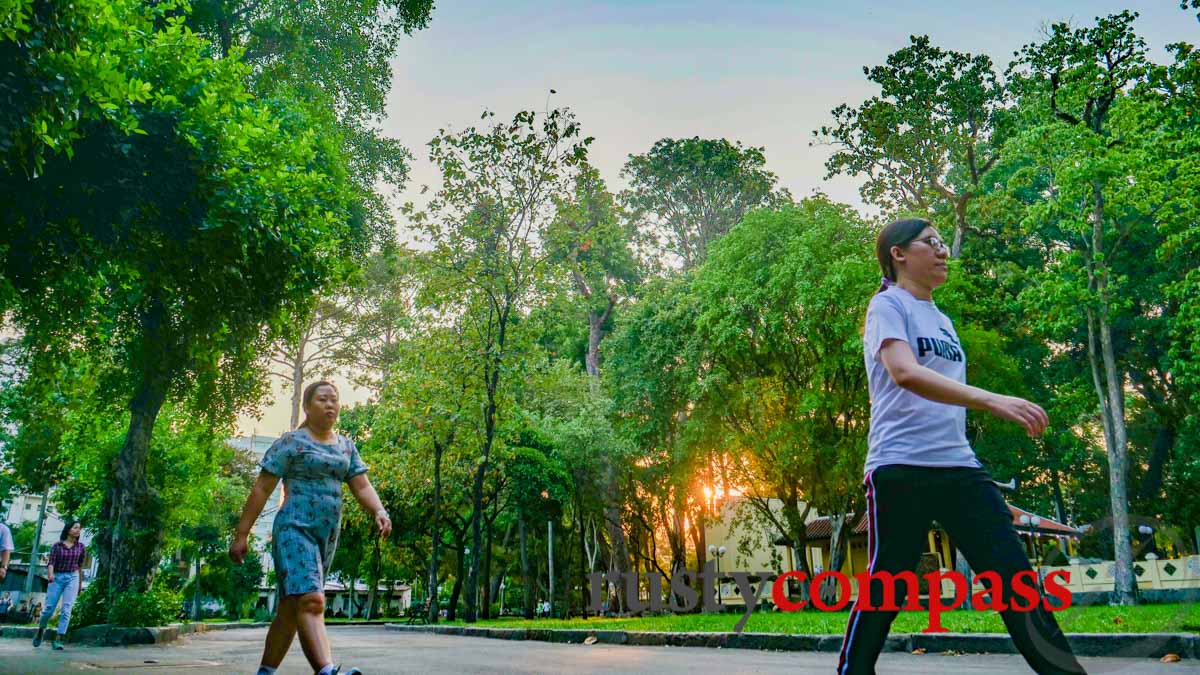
[[939, 347], [949, 335]]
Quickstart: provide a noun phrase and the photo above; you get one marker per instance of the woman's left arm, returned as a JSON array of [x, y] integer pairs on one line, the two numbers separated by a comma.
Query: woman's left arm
[[364, 492]]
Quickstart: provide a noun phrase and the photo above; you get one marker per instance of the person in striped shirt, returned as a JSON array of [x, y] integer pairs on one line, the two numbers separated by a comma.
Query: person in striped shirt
[[64, 576]]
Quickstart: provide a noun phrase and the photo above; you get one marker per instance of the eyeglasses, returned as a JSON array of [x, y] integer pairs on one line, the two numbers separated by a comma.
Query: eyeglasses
[[935, 242]]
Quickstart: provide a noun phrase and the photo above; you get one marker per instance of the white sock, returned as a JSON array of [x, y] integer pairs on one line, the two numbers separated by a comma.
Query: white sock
[[265, 670], [327, 670]]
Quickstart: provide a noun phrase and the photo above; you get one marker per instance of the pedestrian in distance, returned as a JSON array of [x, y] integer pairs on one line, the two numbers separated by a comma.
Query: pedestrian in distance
[[919, 464], [6, 549], [64, 580], [313, 461]]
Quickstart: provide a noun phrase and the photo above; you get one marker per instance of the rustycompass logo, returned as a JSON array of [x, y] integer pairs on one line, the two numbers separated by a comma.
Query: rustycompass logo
[[1021, 593]]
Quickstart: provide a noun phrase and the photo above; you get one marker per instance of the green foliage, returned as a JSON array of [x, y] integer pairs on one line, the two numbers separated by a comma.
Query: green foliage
[[156, 607], [236, 586], [91, 607], [780, 307], [104, 234], [687, 193], [924, 143]]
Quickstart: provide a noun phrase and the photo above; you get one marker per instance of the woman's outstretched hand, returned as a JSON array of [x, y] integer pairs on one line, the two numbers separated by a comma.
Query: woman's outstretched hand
[[237, 550], [1028, 415]]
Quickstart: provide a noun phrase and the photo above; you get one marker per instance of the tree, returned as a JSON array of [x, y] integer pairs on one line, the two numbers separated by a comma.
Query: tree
[[686, 193], [1078, 77], [780, 307], [171, 247], [235, 585], [656, 374], [382, 314], [595, 243], [311, 345], [929, 137], [424, 429], [337, 56], [497, 194]]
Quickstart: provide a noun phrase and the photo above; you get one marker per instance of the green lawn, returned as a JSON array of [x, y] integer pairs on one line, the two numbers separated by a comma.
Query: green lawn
[[1102, 619]]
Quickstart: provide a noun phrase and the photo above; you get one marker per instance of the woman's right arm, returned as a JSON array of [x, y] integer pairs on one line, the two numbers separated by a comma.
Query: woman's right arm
[[263, 487], [897, 356]]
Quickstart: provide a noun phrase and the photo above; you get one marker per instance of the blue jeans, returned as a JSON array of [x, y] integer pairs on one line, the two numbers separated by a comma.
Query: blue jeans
[[66, 587]]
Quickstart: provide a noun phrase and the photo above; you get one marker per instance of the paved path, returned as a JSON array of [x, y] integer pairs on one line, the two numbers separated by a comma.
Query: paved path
[[376, 650]]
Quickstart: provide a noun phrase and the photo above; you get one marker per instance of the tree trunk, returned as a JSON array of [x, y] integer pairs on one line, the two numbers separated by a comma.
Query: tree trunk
[[619, 558], [595, 335], [583, 570], [837, 555], [526, 580], [452, 611], [1060, 508], [431, 608], [373, 581], [498, 578], [1164, 443], [960, 226], [696, 526], [486, 612], [1112, 407], [133, 552], [297, 385], [492, 381], [798, 534]]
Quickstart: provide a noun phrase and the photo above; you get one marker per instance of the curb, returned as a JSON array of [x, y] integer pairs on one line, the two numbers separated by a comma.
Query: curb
[[108, 635], [1130, 645]]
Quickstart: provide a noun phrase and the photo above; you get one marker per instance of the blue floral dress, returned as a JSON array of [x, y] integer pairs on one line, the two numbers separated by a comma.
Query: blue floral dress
[[305, 533]]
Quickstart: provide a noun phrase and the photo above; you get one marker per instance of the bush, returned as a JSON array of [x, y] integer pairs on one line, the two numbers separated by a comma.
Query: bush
[[157, 607], [92, 606], [262, 615]]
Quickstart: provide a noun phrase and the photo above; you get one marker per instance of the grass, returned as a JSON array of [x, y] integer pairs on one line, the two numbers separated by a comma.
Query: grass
[[1172, 618]]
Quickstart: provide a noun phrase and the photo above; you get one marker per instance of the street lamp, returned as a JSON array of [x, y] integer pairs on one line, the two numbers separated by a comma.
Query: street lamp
[[717, 553], [1148, 531]]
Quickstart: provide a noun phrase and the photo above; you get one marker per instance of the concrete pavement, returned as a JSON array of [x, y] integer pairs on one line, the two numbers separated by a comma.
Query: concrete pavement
[[376, 650]]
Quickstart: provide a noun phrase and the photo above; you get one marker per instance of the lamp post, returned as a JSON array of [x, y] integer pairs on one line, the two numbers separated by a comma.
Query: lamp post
[[1147, 531], [717, 553]]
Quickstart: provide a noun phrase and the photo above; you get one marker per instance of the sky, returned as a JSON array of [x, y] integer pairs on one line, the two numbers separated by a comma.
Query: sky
[[763, 73]]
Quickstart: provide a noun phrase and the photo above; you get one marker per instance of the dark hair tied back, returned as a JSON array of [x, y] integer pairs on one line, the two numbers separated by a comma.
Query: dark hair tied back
[[310, 393], [896, 233]]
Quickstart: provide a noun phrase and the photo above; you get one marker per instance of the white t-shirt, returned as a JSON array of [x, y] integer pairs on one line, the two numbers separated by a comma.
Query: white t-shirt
[[6, 540], [906, 428]]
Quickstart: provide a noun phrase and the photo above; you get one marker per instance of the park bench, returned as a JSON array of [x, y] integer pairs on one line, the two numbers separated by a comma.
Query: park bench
[[416, 613]]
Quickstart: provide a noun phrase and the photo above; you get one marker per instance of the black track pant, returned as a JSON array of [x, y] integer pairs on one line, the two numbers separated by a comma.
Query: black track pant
[[901, 502]]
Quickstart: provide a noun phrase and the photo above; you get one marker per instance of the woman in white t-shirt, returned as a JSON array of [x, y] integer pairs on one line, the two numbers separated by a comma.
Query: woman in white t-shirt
[[920, 466]]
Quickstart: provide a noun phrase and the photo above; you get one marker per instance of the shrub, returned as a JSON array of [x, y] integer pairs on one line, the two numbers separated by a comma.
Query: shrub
[[157, 607], [92, 606]]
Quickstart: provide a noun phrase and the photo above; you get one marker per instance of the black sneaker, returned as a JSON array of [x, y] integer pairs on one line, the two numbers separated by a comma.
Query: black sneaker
[[37, 639]]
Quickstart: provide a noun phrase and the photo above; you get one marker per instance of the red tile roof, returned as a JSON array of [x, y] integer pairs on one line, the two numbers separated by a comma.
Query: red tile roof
[[1047, 526]]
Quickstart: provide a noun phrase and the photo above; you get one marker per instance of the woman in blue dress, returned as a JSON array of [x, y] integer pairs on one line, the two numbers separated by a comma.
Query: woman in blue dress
[[313, 462]]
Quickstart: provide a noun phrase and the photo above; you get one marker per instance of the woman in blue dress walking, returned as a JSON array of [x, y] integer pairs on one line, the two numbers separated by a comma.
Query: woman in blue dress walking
[[313, 462]]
